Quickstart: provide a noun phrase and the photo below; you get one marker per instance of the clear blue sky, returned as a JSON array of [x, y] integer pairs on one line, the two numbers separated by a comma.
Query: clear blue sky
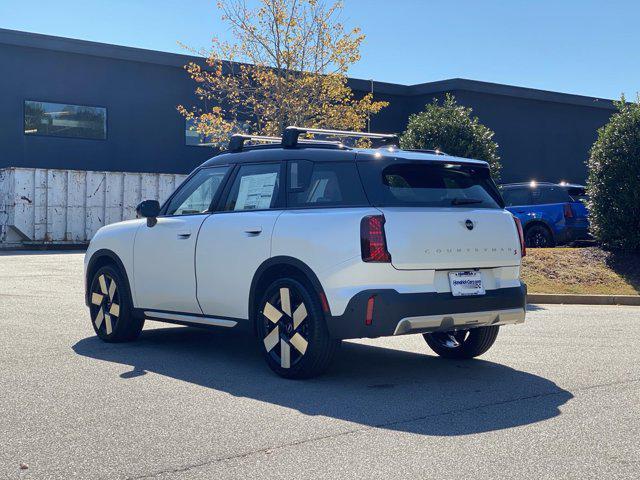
[[586, 47]]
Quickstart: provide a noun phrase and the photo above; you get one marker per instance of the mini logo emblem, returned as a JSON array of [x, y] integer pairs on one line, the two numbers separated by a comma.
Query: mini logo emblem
[[468, 224]]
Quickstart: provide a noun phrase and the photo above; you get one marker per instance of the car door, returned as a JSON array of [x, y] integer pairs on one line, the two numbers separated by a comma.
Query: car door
[[518, 201], [164, 273], [550, 201], [235, 240]]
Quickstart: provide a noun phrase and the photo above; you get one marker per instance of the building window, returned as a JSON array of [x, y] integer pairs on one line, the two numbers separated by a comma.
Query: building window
[[64, 120], [194, 138]]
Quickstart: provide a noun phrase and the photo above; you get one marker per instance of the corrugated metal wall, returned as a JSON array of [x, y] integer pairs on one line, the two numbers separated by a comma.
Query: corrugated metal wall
[[69, 206]]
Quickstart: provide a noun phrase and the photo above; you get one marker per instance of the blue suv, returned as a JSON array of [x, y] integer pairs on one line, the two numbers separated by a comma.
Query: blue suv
[[551, 214]]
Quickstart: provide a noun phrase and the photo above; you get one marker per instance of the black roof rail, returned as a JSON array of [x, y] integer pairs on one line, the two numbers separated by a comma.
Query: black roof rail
[[290, 135], [313, 141], [236, 142]]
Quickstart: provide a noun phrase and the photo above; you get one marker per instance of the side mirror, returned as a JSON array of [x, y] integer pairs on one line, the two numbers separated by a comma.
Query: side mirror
[[149, 209]]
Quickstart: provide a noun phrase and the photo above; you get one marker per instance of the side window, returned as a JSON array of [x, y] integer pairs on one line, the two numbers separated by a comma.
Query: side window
[[516, 196], [547, 195], [196, 195], [318, 184], [254, 188]]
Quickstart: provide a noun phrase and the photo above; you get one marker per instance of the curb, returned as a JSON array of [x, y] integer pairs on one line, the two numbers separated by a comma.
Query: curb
[[42, 247], [571, 299]]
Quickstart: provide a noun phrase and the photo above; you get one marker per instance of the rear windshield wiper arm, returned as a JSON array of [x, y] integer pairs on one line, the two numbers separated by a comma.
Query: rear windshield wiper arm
[[465, 201]]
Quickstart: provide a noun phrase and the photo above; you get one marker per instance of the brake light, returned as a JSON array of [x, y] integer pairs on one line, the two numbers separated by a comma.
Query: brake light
[[373, 242], [568, 211], [523, 247]]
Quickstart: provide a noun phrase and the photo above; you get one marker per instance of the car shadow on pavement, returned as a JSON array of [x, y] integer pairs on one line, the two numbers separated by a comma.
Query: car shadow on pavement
[[369, 385], [532, 307]]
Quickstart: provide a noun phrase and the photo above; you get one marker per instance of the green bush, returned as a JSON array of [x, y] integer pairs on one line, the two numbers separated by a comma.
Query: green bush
[[449, 127], [614, 180]]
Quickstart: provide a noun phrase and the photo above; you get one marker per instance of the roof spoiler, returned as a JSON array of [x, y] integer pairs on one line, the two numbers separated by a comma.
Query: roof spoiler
[[290, 135]]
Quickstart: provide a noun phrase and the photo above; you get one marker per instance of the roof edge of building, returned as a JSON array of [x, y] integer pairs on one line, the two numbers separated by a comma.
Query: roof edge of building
[[85, 47], [464, 84]]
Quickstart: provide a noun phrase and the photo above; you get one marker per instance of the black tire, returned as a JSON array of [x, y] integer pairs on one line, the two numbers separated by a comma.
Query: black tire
[[538, 236], [111, 307], [462, 343], [293, 344]]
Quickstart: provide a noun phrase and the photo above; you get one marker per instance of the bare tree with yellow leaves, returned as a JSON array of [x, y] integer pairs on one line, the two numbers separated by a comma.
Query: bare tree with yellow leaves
[[287, 65]]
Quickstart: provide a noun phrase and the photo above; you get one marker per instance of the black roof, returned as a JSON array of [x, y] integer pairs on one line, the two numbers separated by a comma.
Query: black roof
[[331, 153], [275, 152], [532, 183]]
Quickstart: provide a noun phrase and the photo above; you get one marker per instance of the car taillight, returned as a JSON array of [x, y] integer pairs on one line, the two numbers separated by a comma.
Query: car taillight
[[568, 211], [523, 247], [373, 243]]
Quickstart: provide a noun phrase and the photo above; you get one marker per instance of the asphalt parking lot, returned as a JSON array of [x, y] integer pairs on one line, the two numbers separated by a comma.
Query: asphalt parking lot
[[558, 397]]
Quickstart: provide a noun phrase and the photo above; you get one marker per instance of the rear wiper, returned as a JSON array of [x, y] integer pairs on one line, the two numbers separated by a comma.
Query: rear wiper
[[465, 201]]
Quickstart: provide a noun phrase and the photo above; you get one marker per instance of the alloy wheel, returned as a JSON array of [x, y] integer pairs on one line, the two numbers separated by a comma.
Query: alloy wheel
[[284, 316], [105, 303], [537, 237], [539, 240]]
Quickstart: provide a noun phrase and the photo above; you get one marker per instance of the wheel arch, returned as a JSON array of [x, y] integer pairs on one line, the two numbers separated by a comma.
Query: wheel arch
[[539, 222], [276, 267], [99, 259]]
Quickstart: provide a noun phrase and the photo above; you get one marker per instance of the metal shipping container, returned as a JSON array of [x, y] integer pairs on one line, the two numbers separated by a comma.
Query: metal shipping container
[[49, 206]]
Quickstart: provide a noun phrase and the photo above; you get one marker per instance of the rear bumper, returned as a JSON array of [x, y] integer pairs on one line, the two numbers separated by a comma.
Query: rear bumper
[[572, 233], [397, 314], [580, 233]]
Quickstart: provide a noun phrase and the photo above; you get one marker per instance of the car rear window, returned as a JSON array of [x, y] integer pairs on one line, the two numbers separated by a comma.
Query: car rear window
[[577, 194], [429, 185]]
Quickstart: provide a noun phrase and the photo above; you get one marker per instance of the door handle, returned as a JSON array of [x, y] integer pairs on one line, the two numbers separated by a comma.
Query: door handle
[[253, 230], [184, 236]]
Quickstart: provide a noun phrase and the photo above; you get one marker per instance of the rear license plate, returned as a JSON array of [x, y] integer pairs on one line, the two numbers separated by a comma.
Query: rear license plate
[[466, 283]]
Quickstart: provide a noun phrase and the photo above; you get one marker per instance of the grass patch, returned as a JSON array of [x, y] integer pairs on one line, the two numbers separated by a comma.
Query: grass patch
[[589, 271]]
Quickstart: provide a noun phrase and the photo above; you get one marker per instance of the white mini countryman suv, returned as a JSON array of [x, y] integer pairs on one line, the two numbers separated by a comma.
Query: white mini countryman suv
[[307, 242]]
